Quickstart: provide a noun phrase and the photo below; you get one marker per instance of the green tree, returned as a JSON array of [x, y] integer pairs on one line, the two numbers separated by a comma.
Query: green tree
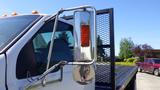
[[126, 45]]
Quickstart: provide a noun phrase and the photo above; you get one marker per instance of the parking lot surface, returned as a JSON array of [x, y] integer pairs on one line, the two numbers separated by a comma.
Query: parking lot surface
[[147, 81]]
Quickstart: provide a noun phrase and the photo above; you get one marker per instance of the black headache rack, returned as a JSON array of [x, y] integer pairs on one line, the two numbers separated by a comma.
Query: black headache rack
[[106, 77], [105, 72]]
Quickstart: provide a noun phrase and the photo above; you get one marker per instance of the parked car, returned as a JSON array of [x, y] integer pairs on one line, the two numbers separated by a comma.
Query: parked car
[[151, 65]]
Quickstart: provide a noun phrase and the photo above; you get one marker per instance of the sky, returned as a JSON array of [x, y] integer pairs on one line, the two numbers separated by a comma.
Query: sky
[[137, 19]]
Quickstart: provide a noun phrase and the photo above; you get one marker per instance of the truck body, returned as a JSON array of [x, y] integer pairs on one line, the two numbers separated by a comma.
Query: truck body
[[41, 52], [151, 65]]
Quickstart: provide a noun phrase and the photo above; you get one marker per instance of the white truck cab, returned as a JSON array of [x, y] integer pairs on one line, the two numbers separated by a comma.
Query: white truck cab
[[42, 52]]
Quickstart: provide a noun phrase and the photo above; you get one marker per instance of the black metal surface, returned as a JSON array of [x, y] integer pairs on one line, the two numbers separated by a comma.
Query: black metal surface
[[123, 76], [105, 73], [112, 49]]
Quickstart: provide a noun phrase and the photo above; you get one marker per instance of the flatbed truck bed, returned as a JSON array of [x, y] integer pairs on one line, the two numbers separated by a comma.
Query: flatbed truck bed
[[124, 76]]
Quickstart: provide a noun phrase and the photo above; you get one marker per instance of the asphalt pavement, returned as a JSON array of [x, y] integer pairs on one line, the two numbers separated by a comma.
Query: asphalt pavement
[[146, 81]]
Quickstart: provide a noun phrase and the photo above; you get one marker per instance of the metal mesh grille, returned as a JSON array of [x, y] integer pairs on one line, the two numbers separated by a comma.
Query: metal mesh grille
[[103, 76], [103, 28]]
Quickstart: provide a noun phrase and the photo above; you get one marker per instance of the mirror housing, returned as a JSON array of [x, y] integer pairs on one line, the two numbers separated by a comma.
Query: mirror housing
[[84, 33]]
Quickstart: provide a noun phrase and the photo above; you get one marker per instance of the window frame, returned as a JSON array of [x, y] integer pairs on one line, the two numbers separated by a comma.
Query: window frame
[[31, 40]]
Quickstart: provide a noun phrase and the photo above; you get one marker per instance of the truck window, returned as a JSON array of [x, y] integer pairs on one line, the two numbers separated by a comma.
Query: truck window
[[146, 60], [32, 59], [150, 61], [156, 61], [10, 27]]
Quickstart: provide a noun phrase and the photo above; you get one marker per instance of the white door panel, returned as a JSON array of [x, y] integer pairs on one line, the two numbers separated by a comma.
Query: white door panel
[[66, 84], [2, 71]]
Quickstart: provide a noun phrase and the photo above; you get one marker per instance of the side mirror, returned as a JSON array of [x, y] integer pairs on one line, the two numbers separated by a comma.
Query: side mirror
[[84, 33], [85, 46]]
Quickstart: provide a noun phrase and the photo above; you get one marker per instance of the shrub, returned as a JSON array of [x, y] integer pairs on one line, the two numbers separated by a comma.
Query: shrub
[[117, 59], [125, 63], [132, 60], [135, 61]]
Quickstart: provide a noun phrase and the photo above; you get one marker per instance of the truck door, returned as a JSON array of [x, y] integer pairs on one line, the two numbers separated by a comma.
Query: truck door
[[150, 66], [2, 69], [145, 65], [60, 78]]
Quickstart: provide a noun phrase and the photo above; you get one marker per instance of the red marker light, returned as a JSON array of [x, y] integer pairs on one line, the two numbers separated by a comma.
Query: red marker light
[[85, 35]]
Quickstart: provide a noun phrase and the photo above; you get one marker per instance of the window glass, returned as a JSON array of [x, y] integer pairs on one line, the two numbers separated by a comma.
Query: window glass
[[146, 60], [10, 27], [66, 36], [150, 61], [157, 61], [32, 59]]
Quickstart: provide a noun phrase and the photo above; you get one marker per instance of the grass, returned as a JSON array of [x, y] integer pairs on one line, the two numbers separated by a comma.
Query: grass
[[125, 63]]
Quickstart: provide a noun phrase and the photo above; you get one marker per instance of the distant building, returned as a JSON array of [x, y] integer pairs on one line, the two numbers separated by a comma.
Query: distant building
[[156, 53]]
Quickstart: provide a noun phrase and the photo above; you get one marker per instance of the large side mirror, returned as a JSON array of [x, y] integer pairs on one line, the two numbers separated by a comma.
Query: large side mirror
[[85, 47], [84, 33]]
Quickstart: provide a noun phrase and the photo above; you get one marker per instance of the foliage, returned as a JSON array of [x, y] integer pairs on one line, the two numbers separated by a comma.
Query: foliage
[[132, 60], [125, 63], [117, 59], [142, 51], [147, 50], [128, 62], [126, 45], [137, 50]]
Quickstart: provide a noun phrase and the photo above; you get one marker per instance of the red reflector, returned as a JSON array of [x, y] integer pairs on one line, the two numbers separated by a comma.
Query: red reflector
[[85, 34]]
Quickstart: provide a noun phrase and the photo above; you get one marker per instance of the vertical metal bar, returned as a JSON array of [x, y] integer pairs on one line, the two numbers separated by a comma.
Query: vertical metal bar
[[52, 40], [61, 72], [112, 49]]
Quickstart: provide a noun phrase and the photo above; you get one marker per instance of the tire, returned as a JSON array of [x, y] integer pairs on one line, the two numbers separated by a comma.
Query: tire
[[139, 69], [156, 72]]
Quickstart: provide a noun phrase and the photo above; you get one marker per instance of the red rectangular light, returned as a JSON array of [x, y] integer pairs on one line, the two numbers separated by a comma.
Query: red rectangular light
[[85, 35]]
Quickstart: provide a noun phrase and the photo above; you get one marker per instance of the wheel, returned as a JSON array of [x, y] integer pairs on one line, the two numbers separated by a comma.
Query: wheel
[[139, 69], [156, 72]]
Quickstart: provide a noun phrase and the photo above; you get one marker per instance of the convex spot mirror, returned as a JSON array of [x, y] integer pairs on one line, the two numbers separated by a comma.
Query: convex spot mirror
[[83, 74], [84, 35]]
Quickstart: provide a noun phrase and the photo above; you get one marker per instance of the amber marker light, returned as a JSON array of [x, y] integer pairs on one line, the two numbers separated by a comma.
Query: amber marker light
[[85, 35]]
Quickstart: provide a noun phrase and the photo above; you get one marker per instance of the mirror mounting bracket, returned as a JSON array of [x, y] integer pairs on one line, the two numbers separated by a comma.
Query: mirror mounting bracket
[[61, 64]]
